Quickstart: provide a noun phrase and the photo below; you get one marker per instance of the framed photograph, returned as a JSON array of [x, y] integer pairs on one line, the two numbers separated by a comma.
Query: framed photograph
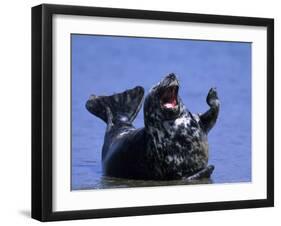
[[145, 112]]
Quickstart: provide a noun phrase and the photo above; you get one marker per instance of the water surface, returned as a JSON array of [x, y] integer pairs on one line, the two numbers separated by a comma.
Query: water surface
[[104, 65]]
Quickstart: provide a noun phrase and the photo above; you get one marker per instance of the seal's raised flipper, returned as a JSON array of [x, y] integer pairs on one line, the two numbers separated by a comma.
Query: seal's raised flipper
[[204, 173], [121, 107], [209, 118]]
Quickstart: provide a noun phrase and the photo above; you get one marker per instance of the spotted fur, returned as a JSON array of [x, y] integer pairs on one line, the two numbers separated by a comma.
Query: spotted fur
[[172, 145], [177, 145]]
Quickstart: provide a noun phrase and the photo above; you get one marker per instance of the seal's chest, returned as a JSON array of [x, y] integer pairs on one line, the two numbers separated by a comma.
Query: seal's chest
[[181, 137], [182, 128]]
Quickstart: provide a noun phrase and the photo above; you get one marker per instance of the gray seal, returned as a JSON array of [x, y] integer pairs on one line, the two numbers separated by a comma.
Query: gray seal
[[172, 145]]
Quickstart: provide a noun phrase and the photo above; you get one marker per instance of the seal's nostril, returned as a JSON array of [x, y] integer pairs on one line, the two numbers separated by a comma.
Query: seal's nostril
[[92, 97], [171, 76]]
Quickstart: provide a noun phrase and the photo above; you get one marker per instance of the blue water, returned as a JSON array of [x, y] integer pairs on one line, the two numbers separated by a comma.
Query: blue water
[[104, 65]]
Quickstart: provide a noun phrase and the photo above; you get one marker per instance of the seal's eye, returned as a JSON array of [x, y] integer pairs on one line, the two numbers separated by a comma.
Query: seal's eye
[[168, 97]]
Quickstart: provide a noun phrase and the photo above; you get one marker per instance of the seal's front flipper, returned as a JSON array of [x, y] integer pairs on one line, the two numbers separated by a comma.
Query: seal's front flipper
[[121, 107], [209, 118], [204, 173]]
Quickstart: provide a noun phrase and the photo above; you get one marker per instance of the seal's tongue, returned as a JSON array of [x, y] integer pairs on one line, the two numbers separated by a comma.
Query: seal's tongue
[[169, 98], [171, 104]]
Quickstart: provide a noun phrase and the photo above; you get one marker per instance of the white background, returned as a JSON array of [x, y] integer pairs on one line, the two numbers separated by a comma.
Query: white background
[[15, 128], [64, 199]]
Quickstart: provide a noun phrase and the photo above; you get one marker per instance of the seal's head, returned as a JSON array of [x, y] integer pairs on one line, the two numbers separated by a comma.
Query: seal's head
[[163, 102]]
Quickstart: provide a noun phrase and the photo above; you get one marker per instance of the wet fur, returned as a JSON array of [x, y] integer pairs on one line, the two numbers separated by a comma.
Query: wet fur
[[172, 145]]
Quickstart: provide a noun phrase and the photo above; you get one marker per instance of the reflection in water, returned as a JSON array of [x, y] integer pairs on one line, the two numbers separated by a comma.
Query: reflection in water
[[113, 182], [110, 182], [106, 65]]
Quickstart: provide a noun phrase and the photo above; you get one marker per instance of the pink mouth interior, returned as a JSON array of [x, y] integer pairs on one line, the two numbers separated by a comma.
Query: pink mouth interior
[[169, 98], [171, 104]]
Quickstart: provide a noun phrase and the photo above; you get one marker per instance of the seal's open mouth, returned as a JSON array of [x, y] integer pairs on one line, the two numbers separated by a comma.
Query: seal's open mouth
[[169, 97]]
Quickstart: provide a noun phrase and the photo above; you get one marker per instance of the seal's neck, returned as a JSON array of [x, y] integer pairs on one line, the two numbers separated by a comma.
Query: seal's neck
[[163, 133]]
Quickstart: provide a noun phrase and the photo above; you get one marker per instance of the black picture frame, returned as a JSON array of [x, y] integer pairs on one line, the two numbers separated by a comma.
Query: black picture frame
[[42, 111]]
